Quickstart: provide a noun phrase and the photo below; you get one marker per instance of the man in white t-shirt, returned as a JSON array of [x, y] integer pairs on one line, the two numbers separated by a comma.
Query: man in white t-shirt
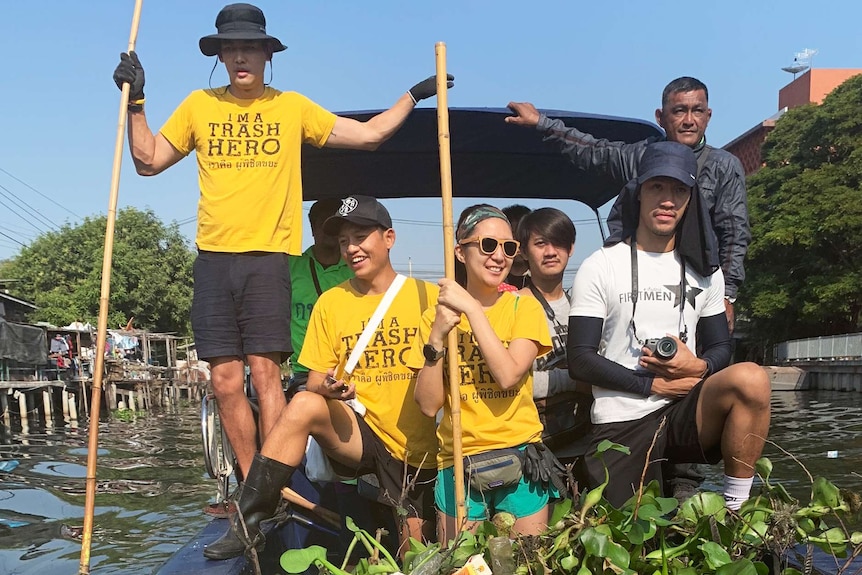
[[654, 285]]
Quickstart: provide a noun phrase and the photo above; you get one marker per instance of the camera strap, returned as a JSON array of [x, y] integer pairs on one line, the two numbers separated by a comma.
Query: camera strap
[[683, 334], [545, 305]]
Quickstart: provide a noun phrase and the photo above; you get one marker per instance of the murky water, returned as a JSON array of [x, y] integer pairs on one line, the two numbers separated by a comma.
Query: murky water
[[151, 489], [152, 483]]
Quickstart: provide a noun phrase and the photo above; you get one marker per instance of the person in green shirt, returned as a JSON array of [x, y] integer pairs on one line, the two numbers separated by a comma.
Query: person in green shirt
[[319, 268]]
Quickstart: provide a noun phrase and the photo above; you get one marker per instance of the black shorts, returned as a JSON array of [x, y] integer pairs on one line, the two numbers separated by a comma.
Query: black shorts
[[241, 304], [392, 474], [678, 443]]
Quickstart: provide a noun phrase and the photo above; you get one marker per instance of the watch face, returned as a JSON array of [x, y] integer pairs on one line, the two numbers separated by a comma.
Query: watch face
[[430, 353]]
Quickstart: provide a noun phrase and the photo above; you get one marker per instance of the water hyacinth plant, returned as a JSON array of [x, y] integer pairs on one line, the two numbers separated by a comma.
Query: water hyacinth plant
[[772, 533]]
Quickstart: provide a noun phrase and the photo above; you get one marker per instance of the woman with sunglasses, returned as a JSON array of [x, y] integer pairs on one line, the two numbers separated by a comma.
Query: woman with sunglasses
[[499, 337]]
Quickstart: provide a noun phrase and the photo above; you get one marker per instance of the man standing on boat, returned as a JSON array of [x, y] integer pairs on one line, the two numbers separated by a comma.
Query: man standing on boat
[[392, 439], [657, 282], [684, 115], [247, 137]]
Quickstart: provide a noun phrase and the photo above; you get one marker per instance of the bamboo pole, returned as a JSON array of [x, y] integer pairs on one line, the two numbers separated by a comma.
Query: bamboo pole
[[98, 370], [449, 264]]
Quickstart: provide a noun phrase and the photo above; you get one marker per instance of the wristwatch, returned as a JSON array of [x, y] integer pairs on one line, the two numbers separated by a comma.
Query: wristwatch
[[432, 355]]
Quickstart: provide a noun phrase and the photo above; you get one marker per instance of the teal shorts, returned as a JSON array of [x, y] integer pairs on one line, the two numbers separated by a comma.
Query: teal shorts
[[521, 500]]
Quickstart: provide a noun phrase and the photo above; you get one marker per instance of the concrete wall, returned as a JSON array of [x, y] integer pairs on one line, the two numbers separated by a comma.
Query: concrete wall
[[813, 86], [832, 375]]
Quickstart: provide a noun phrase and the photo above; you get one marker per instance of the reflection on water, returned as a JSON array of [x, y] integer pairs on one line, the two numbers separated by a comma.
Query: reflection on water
[[152, 484], [151, 487], [808, 425]]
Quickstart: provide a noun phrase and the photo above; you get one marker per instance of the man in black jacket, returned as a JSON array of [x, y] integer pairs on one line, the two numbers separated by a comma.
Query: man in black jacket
[[684, 116]]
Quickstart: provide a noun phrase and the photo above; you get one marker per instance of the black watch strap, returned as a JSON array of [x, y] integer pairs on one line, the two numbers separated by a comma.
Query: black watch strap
[[431, 354]]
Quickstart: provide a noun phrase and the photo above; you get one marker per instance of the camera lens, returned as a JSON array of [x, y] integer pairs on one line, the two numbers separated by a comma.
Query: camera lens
[[666, 348]]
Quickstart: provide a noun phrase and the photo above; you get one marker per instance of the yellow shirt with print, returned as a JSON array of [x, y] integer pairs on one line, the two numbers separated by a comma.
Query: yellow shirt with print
[[491, 417], [384, 383], [248, 154]]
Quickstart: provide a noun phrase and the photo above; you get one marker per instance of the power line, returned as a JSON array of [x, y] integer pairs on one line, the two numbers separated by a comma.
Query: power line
[[12, 210], [13, 239], [20, 232], [26, 207], [53, 201]]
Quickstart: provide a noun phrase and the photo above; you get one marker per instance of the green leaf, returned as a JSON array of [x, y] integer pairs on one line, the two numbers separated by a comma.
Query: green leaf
[[298, 560], [825, 494], [636, 534], [738, 567], [666, 504], [617, 554], [561, 509], [606, 445], [595, 542], [702, 505], [714, 554], [569, 562], [763, 467]]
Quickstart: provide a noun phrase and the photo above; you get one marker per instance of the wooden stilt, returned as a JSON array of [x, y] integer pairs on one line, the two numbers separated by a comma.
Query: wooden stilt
[[65, 395], [46, 405]]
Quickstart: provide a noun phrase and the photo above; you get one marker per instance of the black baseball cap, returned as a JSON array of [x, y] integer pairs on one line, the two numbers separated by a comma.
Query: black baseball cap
[[359, 210], [668, 159]]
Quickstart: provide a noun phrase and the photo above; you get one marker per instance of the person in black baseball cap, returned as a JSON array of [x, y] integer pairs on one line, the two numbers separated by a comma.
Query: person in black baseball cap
[[360, 210], [247, 138], [393, 439]]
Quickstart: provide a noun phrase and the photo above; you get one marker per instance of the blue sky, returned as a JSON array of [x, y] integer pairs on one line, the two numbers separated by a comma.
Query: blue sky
[[59, 104]]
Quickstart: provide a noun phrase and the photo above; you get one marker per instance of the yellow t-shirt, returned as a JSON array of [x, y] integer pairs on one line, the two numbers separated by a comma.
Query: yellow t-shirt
[[249, 172], [384, 383], [491, 417]]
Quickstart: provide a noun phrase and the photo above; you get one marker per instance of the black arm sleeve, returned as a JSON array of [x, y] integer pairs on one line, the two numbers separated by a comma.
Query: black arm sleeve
[[714, 341], [585, 364]]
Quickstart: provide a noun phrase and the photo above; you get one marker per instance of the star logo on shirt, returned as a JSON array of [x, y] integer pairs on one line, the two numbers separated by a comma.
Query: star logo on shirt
[[690, 293]]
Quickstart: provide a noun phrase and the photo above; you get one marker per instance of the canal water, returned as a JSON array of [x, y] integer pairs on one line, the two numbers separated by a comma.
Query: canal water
[[152, 485]]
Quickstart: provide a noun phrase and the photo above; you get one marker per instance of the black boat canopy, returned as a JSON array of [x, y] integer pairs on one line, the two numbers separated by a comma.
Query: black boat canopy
[[490, 159]]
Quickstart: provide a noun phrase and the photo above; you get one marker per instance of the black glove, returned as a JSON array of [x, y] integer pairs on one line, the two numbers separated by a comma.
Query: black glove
[[129, 71], [428, 87], [542, 466]]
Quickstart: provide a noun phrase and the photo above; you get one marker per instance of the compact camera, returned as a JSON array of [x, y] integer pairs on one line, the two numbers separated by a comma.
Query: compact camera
[[662, 347]]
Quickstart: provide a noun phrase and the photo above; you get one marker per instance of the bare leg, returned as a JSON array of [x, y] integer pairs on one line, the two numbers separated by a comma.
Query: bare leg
[[266, 378], [448, 530], [733, 411], [532, 524], [417, 528], [228, 374], [330, 421]]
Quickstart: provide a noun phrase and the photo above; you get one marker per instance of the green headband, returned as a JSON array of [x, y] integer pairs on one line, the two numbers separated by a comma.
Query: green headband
[[479, 214]]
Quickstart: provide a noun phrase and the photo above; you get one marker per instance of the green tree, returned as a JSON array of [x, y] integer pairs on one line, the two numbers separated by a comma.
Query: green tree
[[151, 274], [805, 260]]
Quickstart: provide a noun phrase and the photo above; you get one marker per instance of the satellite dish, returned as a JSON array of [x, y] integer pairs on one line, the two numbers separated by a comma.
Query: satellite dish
[[795, 69], [801, 62]]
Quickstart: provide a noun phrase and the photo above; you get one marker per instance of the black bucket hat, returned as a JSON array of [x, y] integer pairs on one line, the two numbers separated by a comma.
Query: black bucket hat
[[695, 239], [239, 22]]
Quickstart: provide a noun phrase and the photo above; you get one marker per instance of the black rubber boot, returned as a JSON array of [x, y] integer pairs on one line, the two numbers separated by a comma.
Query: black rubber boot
[[257, 502]]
